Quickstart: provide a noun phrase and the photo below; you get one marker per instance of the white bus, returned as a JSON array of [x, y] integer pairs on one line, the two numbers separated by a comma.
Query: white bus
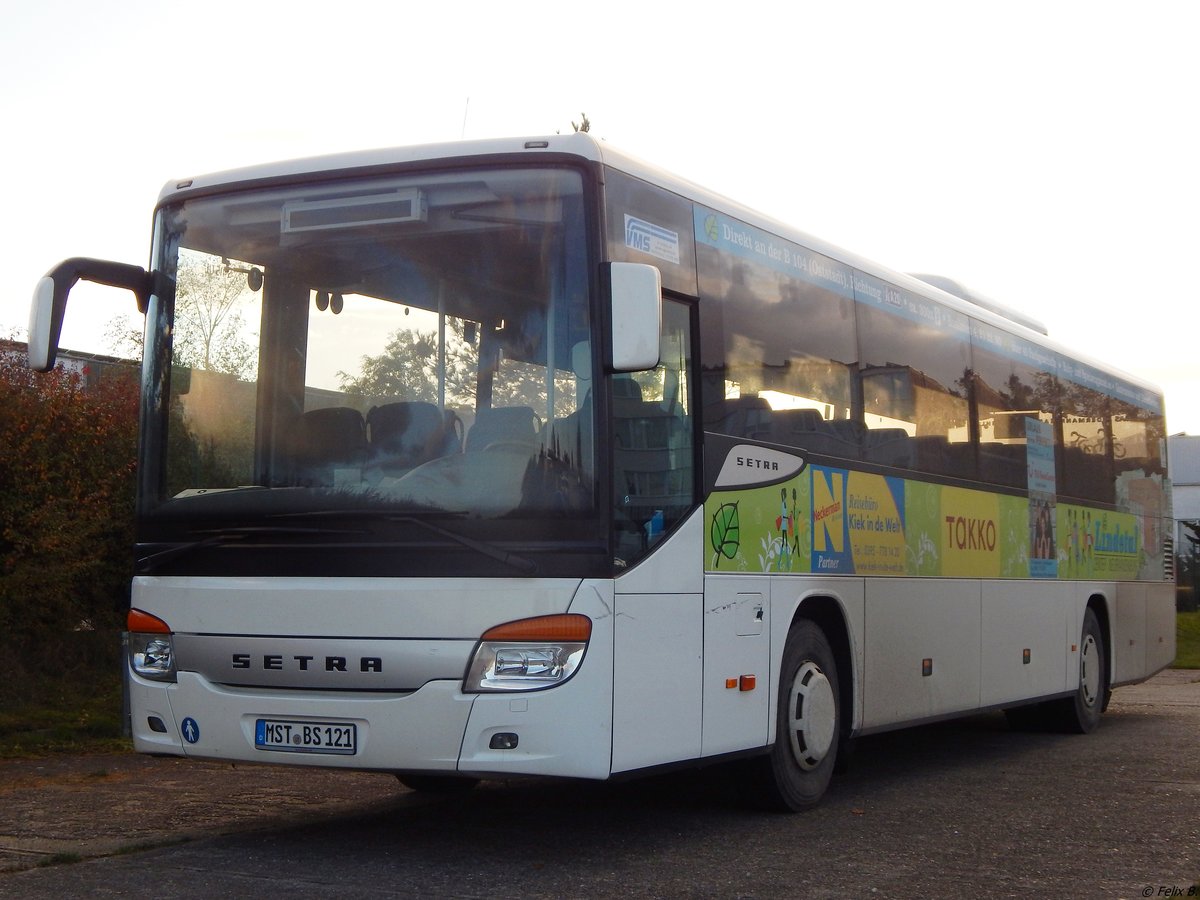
[[523, 457]]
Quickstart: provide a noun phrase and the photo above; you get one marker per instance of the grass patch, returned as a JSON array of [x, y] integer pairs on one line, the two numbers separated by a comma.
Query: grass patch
[[1187, 640], [69, 715], [71, 707]]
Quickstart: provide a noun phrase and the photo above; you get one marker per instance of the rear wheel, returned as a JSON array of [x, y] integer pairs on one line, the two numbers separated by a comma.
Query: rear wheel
[[1080, 713], [808, 723]]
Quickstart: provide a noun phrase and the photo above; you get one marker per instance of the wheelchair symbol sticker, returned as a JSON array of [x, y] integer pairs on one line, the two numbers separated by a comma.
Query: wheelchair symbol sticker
[[191, 731]]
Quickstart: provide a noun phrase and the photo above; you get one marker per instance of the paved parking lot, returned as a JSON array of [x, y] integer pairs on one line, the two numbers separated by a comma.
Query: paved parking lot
[[964, 806]]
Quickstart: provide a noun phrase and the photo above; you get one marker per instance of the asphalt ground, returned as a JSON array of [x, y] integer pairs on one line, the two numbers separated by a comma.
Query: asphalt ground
[[963, 807]]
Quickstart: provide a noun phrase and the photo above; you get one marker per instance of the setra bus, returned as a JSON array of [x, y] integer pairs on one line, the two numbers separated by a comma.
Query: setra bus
[[525, 457]]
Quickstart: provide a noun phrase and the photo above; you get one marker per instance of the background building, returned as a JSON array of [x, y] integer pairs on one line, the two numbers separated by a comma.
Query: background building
[[91, 367]]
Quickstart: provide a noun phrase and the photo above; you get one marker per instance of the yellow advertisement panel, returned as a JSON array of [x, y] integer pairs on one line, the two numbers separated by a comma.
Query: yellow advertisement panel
[[970, 532], [876, 524], [1098, 544]]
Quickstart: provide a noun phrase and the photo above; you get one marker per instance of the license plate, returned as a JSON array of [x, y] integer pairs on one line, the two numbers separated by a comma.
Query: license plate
[[306, 737]]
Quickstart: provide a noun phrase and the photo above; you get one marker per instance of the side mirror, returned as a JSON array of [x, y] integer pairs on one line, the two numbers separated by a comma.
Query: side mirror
[[635, 291], [45, 325], [50, 300]]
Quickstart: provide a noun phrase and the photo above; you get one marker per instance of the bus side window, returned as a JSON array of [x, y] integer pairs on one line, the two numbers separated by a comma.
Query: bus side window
[[1085, 441], [927, 401], [779, 351]]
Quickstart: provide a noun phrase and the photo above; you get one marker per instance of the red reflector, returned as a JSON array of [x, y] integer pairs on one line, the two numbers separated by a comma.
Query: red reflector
[[569, 627], [747, 683], [144, 622]]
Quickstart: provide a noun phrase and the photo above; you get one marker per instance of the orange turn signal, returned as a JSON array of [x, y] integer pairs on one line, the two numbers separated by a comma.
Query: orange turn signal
[[139, 621], [568, 627]]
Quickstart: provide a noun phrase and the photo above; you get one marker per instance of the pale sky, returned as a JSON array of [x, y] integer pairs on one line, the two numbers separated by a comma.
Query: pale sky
[[1045, 153]]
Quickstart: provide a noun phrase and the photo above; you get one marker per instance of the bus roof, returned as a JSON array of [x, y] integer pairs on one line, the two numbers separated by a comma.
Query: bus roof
[[585, 147]]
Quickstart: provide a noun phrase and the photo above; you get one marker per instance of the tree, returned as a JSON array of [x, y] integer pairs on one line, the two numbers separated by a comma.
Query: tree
[[210, 331], [408, 369], [123, 339], [584, 126], [1189, 569]]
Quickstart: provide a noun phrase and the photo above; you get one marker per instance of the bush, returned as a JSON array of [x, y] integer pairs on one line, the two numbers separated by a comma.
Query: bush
[[67, 473], [1187, 640]]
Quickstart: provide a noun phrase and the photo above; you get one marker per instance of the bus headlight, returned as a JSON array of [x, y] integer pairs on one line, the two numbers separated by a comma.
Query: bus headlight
[[529, 654], [151, 648]]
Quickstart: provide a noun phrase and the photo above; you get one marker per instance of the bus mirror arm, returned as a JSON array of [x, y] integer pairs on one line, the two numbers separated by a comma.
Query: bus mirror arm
[[50, 299]]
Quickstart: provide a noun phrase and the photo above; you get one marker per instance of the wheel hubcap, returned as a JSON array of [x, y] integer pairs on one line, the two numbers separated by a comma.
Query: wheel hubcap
[[812, 716], [1089, 671]]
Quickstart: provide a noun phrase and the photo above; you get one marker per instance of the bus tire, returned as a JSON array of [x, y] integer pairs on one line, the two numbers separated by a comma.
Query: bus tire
[[436, 784], [1080, 713], [797, 771]]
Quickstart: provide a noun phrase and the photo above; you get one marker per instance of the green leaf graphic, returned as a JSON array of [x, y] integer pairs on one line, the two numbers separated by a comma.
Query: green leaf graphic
[[725, 533]]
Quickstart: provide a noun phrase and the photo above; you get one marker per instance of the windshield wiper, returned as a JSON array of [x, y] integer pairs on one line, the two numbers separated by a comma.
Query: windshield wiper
[[421, 518], [227, 536], [522, 564]]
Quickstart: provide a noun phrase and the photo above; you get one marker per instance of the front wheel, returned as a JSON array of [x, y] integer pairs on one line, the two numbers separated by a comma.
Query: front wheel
[[797, 771]]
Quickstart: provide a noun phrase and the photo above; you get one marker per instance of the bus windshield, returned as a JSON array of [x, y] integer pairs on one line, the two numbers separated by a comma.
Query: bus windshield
[[401, 345]]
